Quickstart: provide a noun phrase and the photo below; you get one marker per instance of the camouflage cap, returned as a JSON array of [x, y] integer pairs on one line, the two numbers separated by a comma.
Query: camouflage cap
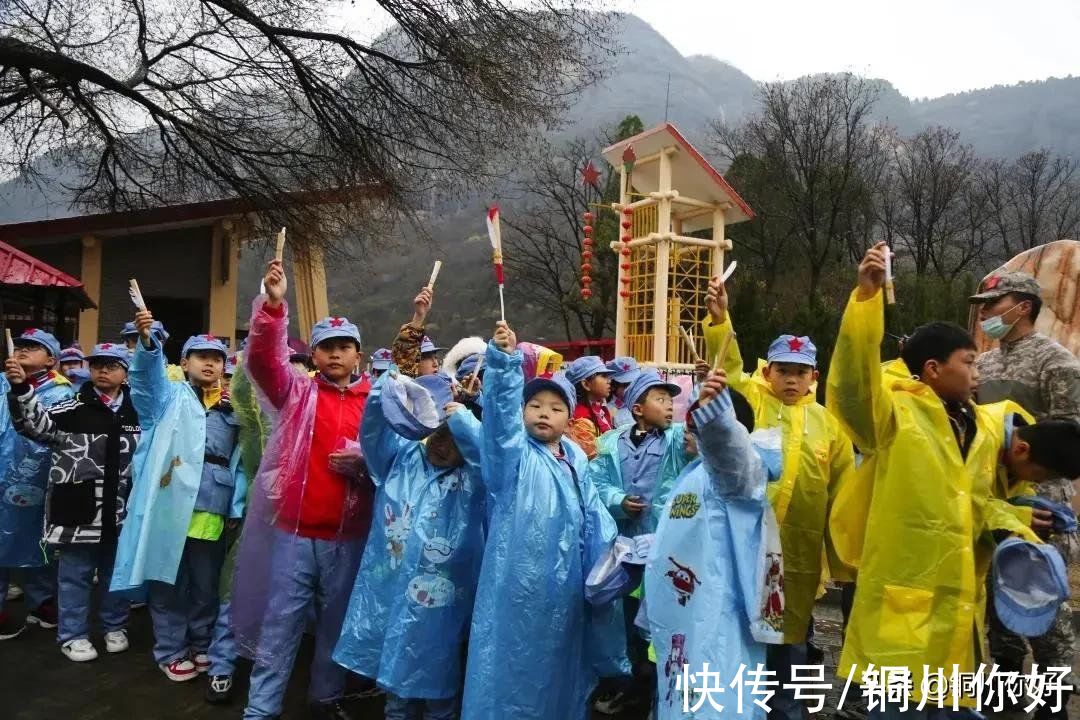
[[1003, 283]]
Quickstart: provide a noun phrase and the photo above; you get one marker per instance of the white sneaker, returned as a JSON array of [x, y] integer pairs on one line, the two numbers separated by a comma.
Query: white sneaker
[[116, 641], [202, 662], [80, 650], [14, 592]]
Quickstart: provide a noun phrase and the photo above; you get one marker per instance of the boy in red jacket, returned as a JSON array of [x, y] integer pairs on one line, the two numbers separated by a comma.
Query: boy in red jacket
[[309, 509]]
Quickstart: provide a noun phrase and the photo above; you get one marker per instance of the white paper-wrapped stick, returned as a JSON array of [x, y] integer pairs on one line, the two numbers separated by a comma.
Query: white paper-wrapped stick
[[729, 271], [137, 299], [10, 342], [279, 249], [690, 343], [434, 274], [890, 288], [136, 294]]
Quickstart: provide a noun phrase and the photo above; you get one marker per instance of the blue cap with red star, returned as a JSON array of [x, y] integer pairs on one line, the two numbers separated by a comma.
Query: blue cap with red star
[[334, 327], [791, 349], [205, 343], [110, 351]]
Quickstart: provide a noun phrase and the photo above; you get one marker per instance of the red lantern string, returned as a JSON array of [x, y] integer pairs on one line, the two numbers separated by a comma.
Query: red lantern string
[[586, 256]]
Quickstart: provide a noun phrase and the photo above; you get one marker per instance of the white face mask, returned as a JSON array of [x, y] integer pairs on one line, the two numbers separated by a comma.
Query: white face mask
[[995, 327]]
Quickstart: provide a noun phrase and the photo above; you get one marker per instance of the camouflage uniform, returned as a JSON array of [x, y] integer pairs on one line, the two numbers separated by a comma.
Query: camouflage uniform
[[1043, 377]]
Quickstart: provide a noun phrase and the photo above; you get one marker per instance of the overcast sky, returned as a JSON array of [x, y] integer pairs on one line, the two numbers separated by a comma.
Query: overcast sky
[[926, 48]]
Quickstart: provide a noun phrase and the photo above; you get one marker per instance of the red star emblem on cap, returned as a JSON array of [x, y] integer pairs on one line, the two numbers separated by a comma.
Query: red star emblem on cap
[[29, 332], [337, 322], [795, 344], [105, 346], [208, 338], [992, 282]]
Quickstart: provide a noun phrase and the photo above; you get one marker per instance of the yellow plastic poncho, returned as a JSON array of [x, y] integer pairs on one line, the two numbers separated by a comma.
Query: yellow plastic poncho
[[927, 549], [818, 459]]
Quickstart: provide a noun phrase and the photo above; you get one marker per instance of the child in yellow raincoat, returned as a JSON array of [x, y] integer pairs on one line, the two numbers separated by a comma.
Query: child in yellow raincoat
[[920, 597], [814, 458]]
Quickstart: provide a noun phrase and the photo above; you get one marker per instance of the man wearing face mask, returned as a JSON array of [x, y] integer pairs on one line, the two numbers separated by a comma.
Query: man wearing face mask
[[1040, 374]]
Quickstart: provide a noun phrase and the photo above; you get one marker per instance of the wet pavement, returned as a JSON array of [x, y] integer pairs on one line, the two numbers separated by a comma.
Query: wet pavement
[[38, 683]]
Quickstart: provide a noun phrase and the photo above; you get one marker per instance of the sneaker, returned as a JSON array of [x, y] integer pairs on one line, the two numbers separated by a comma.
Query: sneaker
[[116, 641], [9, 628], [44, 616], [202, 662], [81, 650], [220, 690], [14, 592], [180, 670]]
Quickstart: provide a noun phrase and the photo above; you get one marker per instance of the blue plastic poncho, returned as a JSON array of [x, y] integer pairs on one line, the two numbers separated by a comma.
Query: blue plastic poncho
[[24, 480], [409, 611], [536, 648], [715, 575], [167, 474], [605, 471]]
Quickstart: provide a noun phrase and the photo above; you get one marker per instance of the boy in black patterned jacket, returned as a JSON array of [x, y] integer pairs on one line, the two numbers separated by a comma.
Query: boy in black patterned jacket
[[92, 438]]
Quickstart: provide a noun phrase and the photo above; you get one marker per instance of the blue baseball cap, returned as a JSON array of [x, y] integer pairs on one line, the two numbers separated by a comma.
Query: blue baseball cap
[[410, 407], [110, 351], [33, 336], [204, 342], [791, 349], [648, 378], [427, 346], [625, 370], [465, 367], [334, 327], [381, 359], [1064, 519], [72, 353], [584, 368], [157, 329], [1030, 583], [557, 383]]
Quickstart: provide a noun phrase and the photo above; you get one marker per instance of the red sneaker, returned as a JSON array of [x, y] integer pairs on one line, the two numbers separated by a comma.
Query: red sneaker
[[180, 670]]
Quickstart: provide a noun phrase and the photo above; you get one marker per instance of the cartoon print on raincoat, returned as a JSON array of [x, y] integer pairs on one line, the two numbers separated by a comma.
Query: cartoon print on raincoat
[[547, 527], [412, 599], [708, 579]]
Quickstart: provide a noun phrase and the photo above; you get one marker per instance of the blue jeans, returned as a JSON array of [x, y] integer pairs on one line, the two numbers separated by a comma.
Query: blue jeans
[[75, 580], [402, 709], [316, 579], [38, 584], [223, 645], [779, 659], [184, 613]]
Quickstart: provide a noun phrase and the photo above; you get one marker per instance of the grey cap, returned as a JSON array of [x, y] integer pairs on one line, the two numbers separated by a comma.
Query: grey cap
[[1003, 283]]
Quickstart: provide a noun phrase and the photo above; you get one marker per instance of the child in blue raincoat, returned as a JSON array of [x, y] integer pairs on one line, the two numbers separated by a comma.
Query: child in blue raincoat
[[714, 577], [536, 649], [634, 469], [188, 486], [25, 467], [409, 612]]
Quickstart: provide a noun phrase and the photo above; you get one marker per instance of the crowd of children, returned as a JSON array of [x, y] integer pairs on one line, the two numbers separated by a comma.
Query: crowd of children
[[482, 539]]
